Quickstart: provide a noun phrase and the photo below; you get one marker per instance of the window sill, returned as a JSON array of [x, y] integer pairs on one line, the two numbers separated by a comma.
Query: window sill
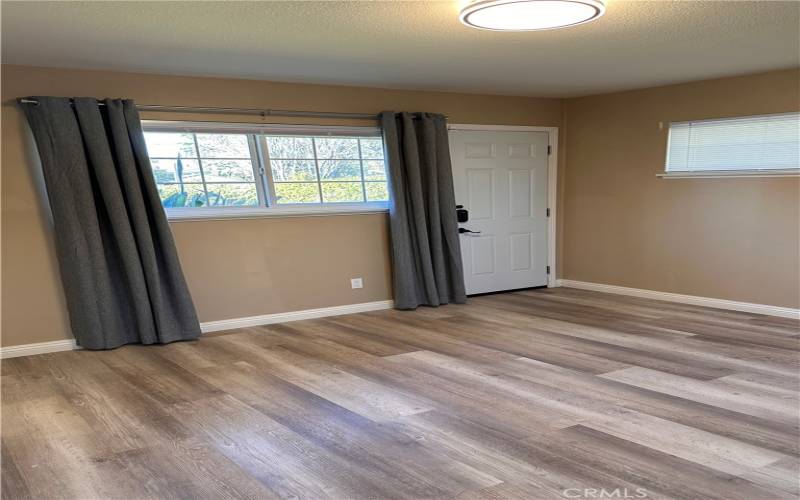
[[209, 213], [719, 174]]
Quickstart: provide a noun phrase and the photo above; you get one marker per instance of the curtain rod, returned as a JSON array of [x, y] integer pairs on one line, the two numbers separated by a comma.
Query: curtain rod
[[240, 111]]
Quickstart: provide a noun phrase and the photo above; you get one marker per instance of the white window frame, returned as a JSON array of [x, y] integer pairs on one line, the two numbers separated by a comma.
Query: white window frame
[[717, 174], [263, 182]]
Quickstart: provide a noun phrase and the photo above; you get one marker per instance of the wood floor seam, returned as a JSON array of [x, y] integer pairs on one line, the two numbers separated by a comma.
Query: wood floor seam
[[525, 395]]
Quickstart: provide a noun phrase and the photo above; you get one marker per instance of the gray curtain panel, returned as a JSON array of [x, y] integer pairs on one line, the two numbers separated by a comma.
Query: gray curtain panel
[[119, 267], [426, 255]]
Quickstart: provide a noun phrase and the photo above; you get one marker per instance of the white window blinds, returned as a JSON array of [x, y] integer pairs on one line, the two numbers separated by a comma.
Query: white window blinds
[[768, 142]]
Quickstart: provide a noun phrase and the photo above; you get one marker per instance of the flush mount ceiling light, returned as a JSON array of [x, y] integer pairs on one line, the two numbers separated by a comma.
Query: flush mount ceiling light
[[530, 15]]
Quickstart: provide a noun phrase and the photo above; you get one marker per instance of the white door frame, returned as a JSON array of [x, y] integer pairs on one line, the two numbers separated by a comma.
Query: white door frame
[[552, 182]]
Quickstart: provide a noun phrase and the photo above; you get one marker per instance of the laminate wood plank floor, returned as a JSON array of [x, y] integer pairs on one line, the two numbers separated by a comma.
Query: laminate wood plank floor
[[539, 394]]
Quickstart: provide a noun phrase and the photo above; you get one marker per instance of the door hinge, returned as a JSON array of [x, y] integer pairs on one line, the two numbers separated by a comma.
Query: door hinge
[[548, 269], [548, 212], [549, 150]]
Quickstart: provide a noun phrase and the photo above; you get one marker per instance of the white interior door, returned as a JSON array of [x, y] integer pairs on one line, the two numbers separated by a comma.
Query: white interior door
[[501, 179]]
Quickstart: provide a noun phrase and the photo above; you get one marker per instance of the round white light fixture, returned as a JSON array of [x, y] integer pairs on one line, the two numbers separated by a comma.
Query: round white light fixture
[[530, 15]]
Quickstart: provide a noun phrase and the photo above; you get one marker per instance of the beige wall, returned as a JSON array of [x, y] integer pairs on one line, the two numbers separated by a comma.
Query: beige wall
[[279, 265], [725, 238], [618, 224]]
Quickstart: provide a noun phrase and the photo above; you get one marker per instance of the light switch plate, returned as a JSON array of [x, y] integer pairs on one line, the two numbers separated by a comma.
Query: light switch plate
[[356, 283]]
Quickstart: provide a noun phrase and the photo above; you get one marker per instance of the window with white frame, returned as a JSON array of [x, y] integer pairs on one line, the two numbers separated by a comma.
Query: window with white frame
[[752, 144], [327, 169], [202, 167]]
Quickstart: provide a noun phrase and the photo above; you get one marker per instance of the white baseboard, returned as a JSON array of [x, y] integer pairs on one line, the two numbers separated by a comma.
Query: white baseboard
[[16, 351], [268, 319], [784, 312], [212, 326]]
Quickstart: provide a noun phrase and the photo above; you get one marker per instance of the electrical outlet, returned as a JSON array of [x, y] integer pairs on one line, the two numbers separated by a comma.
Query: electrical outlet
[[356, 283]]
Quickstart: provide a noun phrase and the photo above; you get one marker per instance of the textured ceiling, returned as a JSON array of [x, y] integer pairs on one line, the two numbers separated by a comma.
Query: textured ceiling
[[407, 44]]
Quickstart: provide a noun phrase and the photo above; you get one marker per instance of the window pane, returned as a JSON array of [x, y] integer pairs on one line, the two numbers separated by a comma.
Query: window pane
[[372, 148], [178, 170], [340, 170], [377, 191], [337, 147], [296, 192], [220, 195], [746, 143], [170, 144], [223, 146], [219, 171], [228, 170], [342, 191], [188, 195], [293, 170], [290, 147], [374, 170]]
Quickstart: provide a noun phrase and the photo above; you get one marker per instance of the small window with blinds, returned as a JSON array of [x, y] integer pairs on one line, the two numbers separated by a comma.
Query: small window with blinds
[[752, 145]]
